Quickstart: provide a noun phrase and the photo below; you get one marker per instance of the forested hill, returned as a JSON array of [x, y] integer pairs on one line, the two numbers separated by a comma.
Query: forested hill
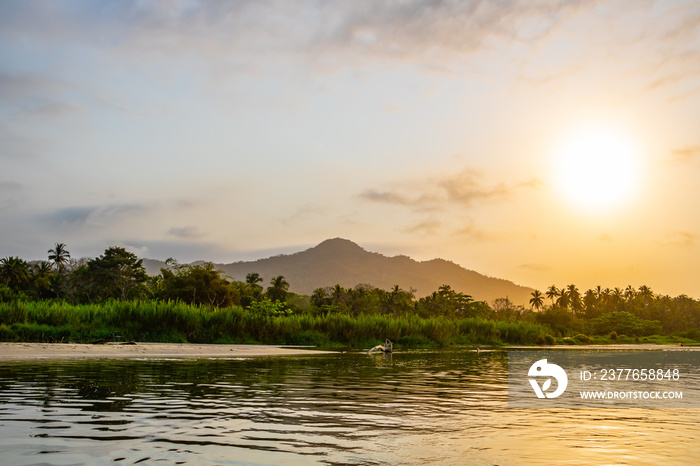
[[340, 261]]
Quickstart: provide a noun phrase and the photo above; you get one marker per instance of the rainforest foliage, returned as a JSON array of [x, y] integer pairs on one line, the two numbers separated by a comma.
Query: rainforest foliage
[[64, 299]]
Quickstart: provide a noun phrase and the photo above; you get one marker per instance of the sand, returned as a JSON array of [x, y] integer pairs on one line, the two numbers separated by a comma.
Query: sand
[[14, 351]]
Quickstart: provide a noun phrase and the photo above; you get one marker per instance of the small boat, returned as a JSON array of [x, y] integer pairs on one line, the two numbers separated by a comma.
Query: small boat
[[387, 348]]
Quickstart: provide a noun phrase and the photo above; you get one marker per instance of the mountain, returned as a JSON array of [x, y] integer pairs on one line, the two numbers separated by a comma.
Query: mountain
[[340, 261]]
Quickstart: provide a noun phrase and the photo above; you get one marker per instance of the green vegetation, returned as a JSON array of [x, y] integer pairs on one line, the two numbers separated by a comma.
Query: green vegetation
[[64, 299], [264, 322]]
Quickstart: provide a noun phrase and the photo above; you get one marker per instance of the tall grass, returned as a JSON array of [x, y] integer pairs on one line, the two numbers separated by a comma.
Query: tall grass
[[178, 322]]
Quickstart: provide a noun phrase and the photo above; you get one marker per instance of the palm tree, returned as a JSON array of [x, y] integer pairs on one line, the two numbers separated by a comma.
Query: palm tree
[[319, 297], [591, 300], [646, 294], [277, 291], [616, 297], [537, 299], [43, 279], [14, 272], [598, 293], [605, 300], [552, 293], [252, 279], [563, 300], [574, 298], [42, 270], [59, 255], [337, 294]]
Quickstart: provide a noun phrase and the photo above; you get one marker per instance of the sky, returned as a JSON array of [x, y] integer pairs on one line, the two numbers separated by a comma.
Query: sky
[[541, 141]]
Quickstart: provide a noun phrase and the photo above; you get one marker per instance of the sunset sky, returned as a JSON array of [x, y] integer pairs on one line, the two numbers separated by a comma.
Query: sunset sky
[[545, 142]]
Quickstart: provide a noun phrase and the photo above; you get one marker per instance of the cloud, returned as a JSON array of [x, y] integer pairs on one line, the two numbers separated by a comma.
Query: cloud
[[20, 86], [451, 195], [682, 239], [428, 227], [188, 251], [10, 194], [303, 213], [249, 29], [471, 231], [17, 147], [535, 267], [81, 215], [141, 251], [686, 153], [186, 232], [11, 186], [71, 215], [387, 197], [26, 94], [465, 188]]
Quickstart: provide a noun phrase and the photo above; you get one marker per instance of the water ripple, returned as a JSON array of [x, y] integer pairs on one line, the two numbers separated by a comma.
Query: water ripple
[[410, 408]]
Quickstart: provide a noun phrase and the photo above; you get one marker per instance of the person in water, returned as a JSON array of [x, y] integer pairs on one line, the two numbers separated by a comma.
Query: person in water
[[387, 348]]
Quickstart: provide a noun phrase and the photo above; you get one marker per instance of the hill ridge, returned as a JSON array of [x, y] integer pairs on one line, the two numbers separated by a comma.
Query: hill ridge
[[341, 261]]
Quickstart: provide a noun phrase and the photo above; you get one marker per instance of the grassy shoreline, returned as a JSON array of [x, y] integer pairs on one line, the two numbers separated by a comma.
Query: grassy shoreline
[[176, 322]]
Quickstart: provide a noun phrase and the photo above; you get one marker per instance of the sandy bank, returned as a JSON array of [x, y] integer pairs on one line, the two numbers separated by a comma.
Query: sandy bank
[[12, 351]]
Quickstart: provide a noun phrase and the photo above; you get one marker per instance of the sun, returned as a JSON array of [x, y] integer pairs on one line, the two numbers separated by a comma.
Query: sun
[[597, 168]]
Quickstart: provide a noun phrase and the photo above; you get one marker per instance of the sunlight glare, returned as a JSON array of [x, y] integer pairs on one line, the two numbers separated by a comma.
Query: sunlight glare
[[597, 168]]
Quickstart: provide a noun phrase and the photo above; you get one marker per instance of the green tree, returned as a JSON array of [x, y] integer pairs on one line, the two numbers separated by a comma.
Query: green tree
[[60, 256], [592, 302], [320, 297], [537, 300], [277, 291], [43, 280], [558, 319], [553, 293], [396, 301], [363, 299], [505, 309], [646, 294], [616, 298], [252, 280], [252, 290], [14, 272], [338, 294], [117, 274], [623, 323], [574, 299], [563, 301], [198, 284]]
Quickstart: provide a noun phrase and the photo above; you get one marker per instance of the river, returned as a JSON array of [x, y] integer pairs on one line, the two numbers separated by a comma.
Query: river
[[413, 407]]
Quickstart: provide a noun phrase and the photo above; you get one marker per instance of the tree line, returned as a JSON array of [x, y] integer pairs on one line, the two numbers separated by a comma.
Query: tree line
[[119, 275], [630, 311]]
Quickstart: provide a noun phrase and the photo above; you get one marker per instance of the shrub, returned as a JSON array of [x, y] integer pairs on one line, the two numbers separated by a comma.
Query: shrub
[[693, 334], [613, 335], [622, 322], [549, 340], [581, 338], [264, 322]]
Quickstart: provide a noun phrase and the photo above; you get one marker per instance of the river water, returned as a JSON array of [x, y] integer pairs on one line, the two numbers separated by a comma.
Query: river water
[[414, 407]]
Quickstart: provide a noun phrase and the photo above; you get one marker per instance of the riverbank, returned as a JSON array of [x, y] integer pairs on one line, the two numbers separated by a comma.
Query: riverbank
[[264, 324], [13, 351]]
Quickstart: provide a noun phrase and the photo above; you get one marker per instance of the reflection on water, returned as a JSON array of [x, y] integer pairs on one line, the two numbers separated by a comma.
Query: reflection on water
[[407, 408]]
